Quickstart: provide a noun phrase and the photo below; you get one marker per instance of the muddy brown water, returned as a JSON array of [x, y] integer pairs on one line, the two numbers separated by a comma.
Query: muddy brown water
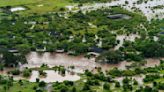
[[53, 76], [80, 62], [35, 59]]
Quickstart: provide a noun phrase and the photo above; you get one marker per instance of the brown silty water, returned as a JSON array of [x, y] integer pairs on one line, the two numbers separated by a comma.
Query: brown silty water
[[35, 59]]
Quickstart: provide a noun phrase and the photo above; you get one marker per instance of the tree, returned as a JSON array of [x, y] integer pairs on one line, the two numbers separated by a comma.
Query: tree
[[135, 82], [37, 80], [111, 56], [20, 82], [151, 77], [1, 67], [86, 87], [15, 72], [148, 89], [42, 84], [26, 72], [161, 86], [64, 89], [42, 73], [150, 48], [115, 72], [117, 84], [10, 59], [106, 86], [24, 48], [126, 80], [74, 89]]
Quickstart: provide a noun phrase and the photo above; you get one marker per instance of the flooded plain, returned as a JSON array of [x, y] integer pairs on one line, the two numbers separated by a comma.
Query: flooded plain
[[79, 62], [52, 76]]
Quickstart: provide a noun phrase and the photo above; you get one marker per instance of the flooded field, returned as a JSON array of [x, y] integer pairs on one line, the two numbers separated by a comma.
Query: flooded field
[[56, 59], [53, 76], [152, 62], [79, 62]]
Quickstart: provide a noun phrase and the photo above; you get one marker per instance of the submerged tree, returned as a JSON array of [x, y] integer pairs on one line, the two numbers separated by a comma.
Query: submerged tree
[[111, 56]]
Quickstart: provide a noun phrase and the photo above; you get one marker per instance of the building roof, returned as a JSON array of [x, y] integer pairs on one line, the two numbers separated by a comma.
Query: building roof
[[96, 49]]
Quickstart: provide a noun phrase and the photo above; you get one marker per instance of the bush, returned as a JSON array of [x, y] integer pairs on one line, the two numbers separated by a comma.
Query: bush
[[15, 72], [115, 72], [161, 86], [151, 70], [42, 84], [64, 89], [149, 78], [128, 73], [42, 73], [27, 73], [135, 82], [106, 86], [112, 57], [117, 85], [86, 87]]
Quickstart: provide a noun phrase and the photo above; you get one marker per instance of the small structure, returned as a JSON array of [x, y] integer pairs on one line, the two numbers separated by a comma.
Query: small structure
[[119, 16], [41, 49], [60, 50], [13, 50], [71, 52], [17, 9], [161, 33], [96, 49], [54, 34], [93, 54], [32, 22]]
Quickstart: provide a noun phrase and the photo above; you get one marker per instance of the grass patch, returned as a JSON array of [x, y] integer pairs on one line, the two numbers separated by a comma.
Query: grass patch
[[26, 87], [36, 6]]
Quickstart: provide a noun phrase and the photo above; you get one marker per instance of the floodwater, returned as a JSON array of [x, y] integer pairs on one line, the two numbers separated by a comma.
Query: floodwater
[[53, 76], [80, 63], [153, 62], [56, 59]]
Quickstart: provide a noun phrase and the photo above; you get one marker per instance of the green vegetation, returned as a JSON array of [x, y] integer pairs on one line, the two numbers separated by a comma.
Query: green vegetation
[[91, 1], [158, 7], [8, 85], [50, 32], [37, 6]]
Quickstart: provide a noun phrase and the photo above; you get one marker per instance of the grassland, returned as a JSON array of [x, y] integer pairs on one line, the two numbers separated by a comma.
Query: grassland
[[26, 87], [17, 2], [36, 6]]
